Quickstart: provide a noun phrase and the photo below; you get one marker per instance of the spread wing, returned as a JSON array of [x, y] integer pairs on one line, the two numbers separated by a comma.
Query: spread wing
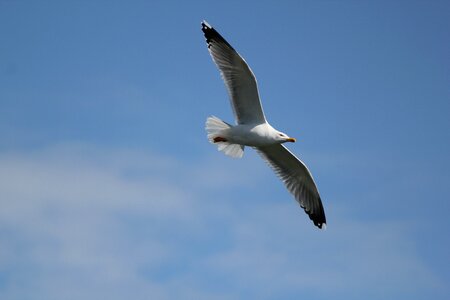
[[239, 79], [297, 179]]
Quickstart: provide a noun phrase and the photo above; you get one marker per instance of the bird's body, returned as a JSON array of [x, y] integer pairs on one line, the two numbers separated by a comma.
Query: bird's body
[[253, 135], [253, 130]]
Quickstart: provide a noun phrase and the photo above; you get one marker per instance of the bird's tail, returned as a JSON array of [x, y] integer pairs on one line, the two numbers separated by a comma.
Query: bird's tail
[[216, 128]]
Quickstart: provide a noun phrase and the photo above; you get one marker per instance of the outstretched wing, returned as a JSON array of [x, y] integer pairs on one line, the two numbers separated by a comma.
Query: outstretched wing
[[297, 179], [239, 79]]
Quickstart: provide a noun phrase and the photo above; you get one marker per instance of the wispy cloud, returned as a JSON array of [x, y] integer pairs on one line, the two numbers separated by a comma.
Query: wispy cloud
[[83, 222], [350, 259]]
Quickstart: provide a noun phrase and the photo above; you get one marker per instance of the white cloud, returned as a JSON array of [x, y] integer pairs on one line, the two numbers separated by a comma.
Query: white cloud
[[83, 222]]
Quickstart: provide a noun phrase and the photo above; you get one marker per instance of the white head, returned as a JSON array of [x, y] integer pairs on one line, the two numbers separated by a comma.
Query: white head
[[283, 138]]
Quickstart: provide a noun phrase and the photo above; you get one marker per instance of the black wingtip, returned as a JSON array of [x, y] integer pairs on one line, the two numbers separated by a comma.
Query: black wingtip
[[318, 216], [211, 34], [205, 25], [321, 225], [319, 221], [208, 31]]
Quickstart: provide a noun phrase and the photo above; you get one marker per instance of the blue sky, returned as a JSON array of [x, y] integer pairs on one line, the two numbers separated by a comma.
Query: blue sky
[[110, 189]]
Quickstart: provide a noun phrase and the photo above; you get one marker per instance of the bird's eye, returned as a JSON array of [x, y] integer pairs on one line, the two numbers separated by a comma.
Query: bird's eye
[[280, 134]]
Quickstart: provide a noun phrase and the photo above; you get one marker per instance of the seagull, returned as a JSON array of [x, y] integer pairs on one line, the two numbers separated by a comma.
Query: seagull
[[253, 130]]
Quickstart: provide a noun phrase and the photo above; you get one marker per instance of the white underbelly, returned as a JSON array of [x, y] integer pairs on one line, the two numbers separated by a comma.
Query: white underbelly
[[253, 136]]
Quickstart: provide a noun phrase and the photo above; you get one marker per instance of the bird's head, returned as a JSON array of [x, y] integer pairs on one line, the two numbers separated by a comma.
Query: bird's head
[[283, 138]]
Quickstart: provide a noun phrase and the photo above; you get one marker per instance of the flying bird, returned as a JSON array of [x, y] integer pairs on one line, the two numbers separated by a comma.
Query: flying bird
[[253, 130]]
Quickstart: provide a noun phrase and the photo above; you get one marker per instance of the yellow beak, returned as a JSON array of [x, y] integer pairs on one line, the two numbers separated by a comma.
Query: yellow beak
[[292, 140]]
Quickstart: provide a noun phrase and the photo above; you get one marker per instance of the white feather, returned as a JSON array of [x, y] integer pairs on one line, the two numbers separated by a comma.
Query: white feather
[[215, 127]]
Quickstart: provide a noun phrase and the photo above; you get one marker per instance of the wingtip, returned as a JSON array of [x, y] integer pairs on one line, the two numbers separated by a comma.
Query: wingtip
[[205, 25], [321, 224], [212, 34], [319, 220]]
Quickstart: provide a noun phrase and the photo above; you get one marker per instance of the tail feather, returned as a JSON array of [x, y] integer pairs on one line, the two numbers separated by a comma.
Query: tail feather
[[215, 128]]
